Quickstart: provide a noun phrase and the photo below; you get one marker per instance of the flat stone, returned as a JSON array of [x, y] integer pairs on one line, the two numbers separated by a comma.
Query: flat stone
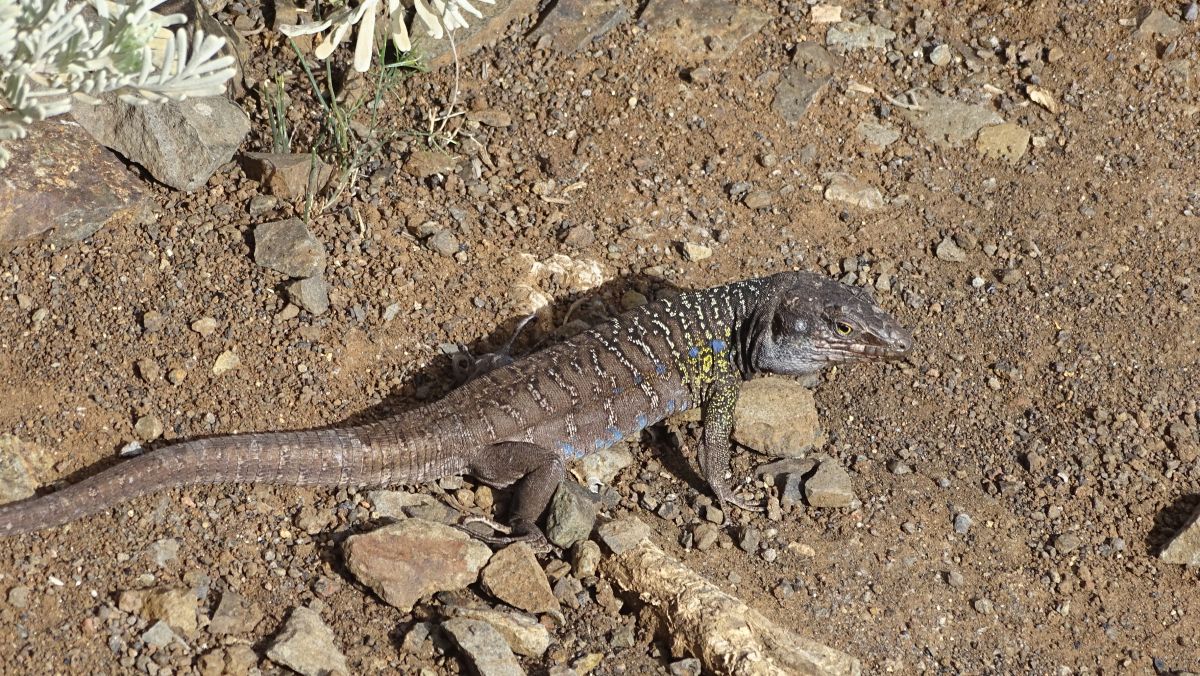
[[226, 362], [1184, 548], [623, 534], [523, 633], [159, 635], [443, 242], [698, 30], [1005, 142], [390, 504], [62, 185], [16, 480], [413, 558], [491, 117], [235, 615], [306, 645], [572, 515], [801, 83], [948, 250], [696, 252], [777, 416], [572, 25], [825, 13], [853, 191], [852, 36], [877, 136], [287, 175], [514, 576], [426, 163], [483, 647], [288, 247], [310, 293], [829, 486], [181, 143], [1155, 23], [948, 122]]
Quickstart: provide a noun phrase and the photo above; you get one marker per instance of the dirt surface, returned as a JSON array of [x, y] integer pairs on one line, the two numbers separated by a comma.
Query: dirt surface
[[1054, 349]]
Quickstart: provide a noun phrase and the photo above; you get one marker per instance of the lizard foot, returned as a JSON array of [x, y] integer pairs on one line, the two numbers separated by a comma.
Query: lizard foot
[[527, 533], [747, 505]]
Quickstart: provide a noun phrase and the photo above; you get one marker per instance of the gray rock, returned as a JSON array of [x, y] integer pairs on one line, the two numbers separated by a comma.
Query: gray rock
[[443, 242], [948, 122], [180, 143], [949, 251], [164, 551], [623, 534], [829, 486], [310, 293], [853, 191], [1192, 11], [1154, 23], [306, 645], [962, 523], [16, 481], [876, 135], [62, 185], [235, 615], [572, 25], [853, 36], [524, 634], [802, 83], [514, 576], [940, 55], [699, 30], [287, 175], [483, 647], [414, 558], [572, 515], [1184, 548], [403, 505], [159, 635], [777, 416], [288, 247]]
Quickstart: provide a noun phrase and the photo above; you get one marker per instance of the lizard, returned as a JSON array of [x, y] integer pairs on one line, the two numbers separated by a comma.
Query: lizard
[[521, 423]]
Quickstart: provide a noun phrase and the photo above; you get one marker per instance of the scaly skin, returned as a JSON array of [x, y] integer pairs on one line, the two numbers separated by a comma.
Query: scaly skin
[[523, 421]]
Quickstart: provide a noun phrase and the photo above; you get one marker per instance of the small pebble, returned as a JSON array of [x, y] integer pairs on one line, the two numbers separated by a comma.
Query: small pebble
[[962, 523]]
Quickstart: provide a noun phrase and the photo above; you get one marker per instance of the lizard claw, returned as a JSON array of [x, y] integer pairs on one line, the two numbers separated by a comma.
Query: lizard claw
[[527, 533], [747, 505]]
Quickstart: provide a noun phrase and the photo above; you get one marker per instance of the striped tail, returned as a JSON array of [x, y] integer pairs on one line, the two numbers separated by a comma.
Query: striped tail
[[333, 457]]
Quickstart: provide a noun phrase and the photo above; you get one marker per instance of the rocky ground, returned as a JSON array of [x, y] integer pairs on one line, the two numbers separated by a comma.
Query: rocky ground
[[1018, 184]]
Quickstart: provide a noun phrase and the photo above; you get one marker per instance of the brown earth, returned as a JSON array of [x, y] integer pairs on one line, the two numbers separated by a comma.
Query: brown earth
[[1050, 362]]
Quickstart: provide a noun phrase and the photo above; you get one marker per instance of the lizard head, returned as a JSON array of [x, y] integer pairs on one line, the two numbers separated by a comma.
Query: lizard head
[[808, 322]]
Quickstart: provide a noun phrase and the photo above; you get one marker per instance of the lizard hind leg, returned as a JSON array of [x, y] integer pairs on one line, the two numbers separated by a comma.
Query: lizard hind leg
[[535, 470]]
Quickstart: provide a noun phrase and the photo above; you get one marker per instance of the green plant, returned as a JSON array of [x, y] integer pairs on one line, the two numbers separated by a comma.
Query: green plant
[[277, 105], [52, 52], [338, 142]]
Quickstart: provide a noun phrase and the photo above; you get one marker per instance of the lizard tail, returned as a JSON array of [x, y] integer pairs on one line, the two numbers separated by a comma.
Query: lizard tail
[[316, 457]]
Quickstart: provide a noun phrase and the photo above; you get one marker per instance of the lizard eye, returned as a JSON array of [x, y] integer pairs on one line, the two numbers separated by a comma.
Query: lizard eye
[[843, 328]]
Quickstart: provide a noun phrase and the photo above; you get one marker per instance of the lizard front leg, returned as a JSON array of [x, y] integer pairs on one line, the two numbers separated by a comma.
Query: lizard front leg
[[717, 418]]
